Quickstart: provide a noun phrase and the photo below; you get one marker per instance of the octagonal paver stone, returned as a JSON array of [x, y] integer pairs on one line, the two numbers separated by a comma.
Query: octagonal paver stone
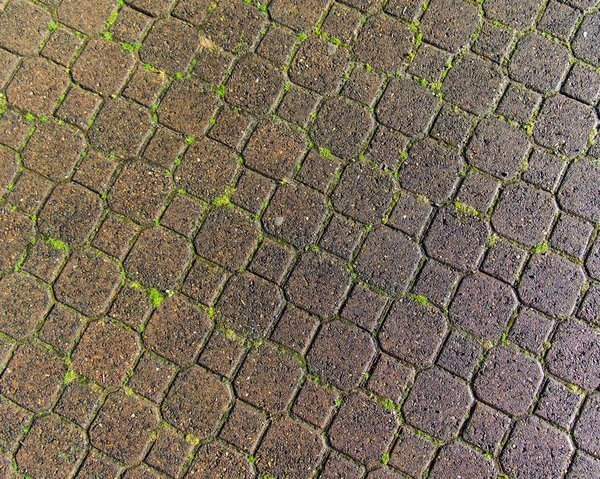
[[33, 377], [105, 353], [539, 63], [213, 461], [70, 214], [120, 128], [588, 425], [289, 449], [584, 45], [87, 16], [524, 214], [23, 304], [498, 148], [206, 169], [300, 15], [509, 381], [295, 214], [456, 460], [158, 258], [515, 13], [342, 127], [431, 170], [384, 42], [140, 192], [483, 306], [254, 85], [268, 379], [227, 237], [235, 26], [388, 259], [449, 24], [579, 193], [188, 106], [473, 84], [363, 429], [53, 150], [249, 305], [177, 329], [23, 27], [88, 282], [457, 239], [318, 283], [274, 149], [407, 106], [364, 192], [564, 125], [413, 332], [37, 86], [103, 66], [16, 229], [170, 45], [53, 448], [551, 284], [438, 403], [536, 449], [318, 65], [575, 354], [196, 402], [123, 427], [341, 354]]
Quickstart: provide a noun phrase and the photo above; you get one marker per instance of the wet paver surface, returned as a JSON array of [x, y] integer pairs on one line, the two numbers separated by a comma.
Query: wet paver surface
[[299, 239]]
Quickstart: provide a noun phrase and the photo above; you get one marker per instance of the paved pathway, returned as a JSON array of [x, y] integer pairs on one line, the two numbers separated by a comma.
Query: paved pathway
[[299, 238]]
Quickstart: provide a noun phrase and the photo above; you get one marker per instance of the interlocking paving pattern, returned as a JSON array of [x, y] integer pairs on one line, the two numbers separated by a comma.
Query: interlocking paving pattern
[[295, 239]]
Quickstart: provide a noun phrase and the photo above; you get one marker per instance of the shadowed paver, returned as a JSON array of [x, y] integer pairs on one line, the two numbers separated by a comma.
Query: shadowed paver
[[299, 239]]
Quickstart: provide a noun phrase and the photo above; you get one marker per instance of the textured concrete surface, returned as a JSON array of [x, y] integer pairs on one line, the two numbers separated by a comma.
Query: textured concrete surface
[[299, 239]]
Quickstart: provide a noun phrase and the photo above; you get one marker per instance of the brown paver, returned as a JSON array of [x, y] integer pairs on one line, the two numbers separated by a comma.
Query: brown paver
[[105, 353], [294, 239], [123, 427], [52, 448], [196, 401], [268, 378]]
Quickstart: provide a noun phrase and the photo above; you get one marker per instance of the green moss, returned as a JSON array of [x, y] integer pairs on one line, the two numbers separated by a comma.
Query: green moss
[[385, 458], [131, 48], [541, 248], [53, 26], [325, 152], [191, 439], [463, 208], [57, 244], [156, 297], [222, 200], [421, 299], [69, 377]]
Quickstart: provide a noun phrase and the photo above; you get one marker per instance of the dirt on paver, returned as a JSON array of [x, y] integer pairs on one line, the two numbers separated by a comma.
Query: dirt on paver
[[297, 239]]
